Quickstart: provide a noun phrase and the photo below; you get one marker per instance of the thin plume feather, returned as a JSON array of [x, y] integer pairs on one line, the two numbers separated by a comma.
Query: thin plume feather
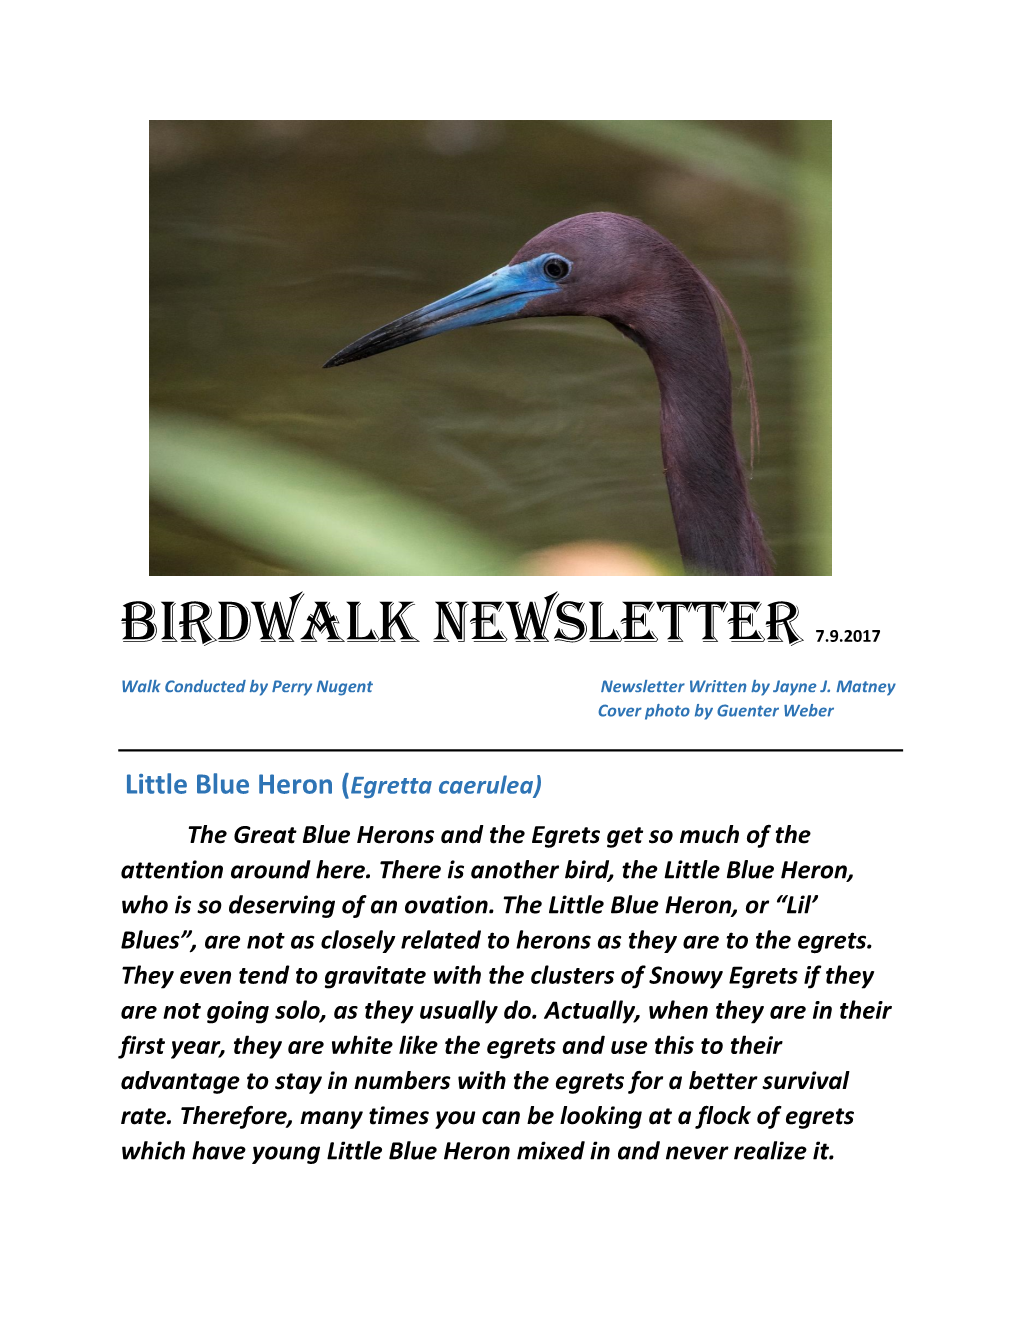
[[724, 313]]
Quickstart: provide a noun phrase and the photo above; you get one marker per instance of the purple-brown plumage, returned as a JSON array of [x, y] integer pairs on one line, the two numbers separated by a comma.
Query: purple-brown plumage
[[617, 268], [629, 274]]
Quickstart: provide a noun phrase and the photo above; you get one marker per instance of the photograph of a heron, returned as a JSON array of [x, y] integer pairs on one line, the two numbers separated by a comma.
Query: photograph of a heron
[[538, 441]]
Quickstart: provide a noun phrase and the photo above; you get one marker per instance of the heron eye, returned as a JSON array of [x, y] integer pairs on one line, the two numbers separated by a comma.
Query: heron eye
[[556, 268]]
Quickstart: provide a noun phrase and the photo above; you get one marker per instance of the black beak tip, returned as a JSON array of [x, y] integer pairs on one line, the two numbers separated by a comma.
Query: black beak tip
[[337, 360]]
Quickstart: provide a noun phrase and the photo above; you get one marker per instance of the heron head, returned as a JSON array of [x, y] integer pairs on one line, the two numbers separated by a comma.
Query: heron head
[[600, 264]]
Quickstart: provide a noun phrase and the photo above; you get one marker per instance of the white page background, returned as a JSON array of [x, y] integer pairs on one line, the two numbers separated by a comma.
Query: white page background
[[912, 1215]]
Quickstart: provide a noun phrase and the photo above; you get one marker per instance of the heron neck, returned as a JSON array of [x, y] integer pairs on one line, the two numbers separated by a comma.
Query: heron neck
[[716, 526]]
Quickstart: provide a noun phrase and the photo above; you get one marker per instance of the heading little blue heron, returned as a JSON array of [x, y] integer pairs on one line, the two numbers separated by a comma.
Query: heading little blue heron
[[620, 269]]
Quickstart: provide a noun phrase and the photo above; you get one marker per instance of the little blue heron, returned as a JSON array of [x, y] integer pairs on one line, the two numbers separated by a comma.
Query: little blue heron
[[622, 270]]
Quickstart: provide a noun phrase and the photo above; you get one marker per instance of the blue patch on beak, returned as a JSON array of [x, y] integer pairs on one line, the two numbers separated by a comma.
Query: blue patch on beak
[[498, 296]]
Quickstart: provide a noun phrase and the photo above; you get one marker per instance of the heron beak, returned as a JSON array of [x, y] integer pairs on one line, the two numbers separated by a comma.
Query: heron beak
[[497, 297]]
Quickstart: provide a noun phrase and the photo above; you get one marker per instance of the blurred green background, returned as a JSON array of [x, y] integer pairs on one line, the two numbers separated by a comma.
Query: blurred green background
[[275, 243]]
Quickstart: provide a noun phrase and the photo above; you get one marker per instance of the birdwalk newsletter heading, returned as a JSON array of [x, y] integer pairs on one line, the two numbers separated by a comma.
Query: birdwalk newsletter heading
[[550, 619]]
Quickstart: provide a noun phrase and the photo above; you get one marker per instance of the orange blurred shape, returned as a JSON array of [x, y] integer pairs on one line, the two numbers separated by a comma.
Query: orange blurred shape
[[590, 559]]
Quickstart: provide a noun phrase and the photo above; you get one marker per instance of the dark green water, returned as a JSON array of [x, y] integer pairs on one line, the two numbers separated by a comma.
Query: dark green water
[[275, 244]]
